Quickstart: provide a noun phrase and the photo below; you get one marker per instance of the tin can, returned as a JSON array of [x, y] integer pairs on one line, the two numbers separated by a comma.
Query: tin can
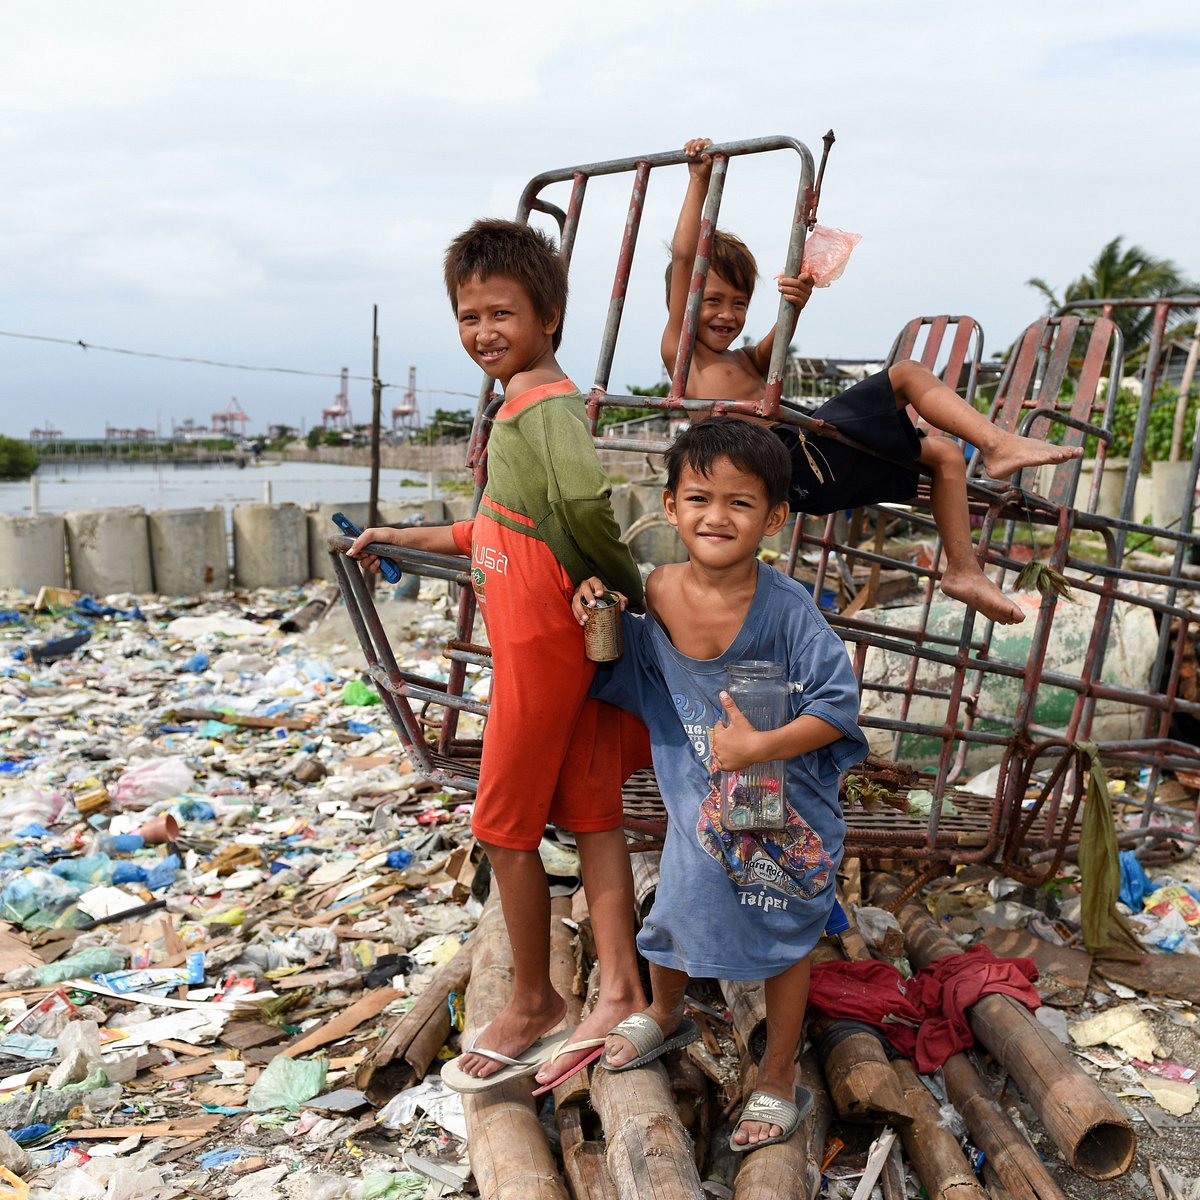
[[602, 633]]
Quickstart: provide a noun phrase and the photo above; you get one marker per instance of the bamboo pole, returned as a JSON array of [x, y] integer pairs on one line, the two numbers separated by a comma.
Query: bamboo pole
[[934, 1151], [584, 1162], [791, 1168], [1093, 1134], [562, 975], [649, 1152], [645, 879], [416, 1037], [749, 1010], [509, 1154], [690, 1090], [862, 1084], [1012, 1157]]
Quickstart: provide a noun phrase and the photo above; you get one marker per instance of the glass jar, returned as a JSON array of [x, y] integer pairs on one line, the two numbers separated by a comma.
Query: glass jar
[[755, 797]]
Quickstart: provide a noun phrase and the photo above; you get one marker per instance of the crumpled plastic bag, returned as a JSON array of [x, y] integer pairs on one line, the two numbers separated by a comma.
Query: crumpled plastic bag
[[30, 806], [287, 1083], [158, 779], [826, 253]]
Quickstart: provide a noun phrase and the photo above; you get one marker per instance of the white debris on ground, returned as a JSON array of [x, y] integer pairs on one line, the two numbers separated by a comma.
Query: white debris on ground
[[150, 981], [221, 886]]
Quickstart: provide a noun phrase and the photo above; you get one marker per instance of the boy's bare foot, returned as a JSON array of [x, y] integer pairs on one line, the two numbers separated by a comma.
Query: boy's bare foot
[[1012, 452], [512, 1032], [596, 1024], [783, 1086], [973, 587], [620, 1050]]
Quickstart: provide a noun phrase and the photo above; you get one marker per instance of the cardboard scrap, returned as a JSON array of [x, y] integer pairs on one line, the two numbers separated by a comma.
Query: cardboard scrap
[[15, 951], [1172, 1095], [1123, 1027]]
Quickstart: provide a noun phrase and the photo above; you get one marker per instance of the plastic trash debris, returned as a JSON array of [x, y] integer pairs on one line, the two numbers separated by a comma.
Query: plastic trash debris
[[92, 961], [356, 694], [58, 648], [384, 1185], [1135, 883], [30, 806], [826, 253], [12, 1156], [287, 1083], [158, 779]]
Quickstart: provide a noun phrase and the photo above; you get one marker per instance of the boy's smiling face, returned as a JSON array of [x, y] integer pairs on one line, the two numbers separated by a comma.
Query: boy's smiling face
[[500, 329], [722, 516], [722, 313]]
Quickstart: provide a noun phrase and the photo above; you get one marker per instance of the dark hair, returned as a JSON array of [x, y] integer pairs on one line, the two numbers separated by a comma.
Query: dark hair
[[732, 260], [496, 247], [750, 447]]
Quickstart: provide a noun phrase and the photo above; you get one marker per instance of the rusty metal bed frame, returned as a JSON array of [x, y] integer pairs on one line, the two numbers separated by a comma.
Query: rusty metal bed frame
[[1061, 378]]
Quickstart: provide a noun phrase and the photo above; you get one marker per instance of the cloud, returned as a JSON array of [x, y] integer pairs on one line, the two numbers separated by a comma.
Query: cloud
[[244, 180]]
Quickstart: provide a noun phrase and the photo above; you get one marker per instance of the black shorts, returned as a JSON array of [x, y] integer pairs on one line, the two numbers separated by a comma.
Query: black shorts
[[867, 413]]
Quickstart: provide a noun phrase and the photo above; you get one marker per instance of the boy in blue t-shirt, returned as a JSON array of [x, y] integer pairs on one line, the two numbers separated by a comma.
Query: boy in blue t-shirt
[[732, 904]]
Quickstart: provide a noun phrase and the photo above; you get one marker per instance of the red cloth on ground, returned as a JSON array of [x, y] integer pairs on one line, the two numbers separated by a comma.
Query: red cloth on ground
[[924, 1017]]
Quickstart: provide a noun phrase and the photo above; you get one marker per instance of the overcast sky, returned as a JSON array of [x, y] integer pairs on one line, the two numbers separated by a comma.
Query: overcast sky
[[242, 181]]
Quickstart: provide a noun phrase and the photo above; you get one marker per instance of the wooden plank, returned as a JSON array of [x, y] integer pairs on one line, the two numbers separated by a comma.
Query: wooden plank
[[178, 1127], [241, 1035], [1175, 975], [214, 714], [1062, 972], [345, 1023]]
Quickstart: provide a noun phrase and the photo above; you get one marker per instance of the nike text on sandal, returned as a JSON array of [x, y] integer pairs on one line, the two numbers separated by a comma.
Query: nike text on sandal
[[772, 1110], [648, 1041]]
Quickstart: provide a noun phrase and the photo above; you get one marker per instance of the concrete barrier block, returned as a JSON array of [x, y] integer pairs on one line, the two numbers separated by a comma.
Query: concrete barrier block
[[458, 507], [33, 552], [109, 551], [1169, 496], [1128, 661], [404, 512], [189, 550], [270, 545], [321, 528]]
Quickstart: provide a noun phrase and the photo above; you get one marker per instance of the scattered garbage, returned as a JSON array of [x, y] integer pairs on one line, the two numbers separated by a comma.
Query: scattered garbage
[[232, 925]]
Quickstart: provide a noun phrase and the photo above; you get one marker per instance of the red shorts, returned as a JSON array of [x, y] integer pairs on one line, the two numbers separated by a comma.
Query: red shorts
[[550, 752]]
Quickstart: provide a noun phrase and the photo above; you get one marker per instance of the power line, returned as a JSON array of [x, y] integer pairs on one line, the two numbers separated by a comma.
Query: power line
[[209, 362]]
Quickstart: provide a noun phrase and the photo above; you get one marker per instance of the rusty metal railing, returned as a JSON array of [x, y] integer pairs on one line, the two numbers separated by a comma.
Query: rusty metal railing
[[943, 691]]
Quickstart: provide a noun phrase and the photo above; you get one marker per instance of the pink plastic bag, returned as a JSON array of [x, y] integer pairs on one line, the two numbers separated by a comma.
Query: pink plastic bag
[[826, 252], [157, 779]]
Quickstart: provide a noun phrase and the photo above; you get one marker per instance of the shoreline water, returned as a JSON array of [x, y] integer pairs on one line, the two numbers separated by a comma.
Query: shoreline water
[[66, 487]]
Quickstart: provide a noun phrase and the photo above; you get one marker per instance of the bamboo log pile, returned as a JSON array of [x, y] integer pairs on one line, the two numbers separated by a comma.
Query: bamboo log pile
[[1093, 1134], [509, 1154]]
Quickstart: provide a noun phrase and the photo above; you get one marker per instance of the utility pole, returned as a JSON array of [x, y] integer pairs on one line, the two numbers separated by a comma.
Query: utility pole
[[1185, 386], [376, 404]]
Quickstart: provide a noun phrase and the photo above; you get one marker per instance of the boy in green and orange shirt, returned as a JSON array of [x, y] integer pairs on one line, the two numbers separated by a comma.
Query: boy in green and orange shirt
[[550, 754]]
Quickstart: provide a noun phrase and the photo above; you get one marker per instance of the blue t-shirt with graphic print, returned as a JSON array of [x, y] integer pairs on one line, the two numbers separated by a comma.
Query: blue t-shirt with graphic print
[[732, 904]]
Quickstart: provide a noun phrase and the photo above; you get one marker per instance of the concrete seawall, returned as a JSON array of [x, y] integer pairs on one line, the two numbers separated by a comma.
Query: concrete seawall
[[183, 552], [178, 552]]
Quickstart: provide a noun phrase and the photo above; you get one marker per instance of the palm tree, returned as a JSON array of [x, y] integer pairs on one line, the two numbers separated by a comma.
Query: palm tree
[[1128, 273]]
